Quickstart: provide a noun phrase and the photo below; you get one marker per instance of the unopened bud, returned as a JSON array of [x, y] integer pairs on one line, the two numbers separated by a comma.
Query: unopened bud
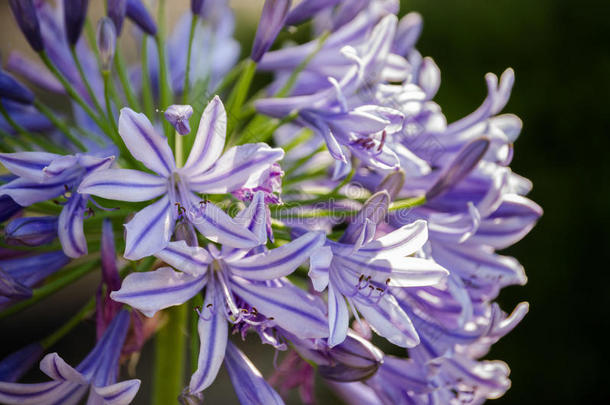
[[31, 231], [106, 41], [11, 89], [75, 12], [137, 12], [27, 19], [355, 359]]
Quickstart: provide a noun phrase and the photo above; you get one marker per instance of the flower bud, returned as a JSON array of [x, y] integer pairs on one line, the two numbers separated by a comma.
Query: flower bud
[[137, 12], [106, 41], [8, 207], [196, 6], [31, 231], [11, 89], [116, 12], [178, 116], [355, 359], [16, 364], [12, 288], [25, 14], [466, 160], [75, 12], [271, 22], [392, 183]]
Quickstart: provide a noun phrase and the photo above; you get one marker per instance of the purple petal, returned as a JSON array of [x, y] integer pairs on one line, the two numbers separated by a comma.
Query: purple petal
[[319, 267], [210, 139], [31, 231], [12, 288], [155, 290], [124, 185], [150, 230], [178, 116], [307, 9], [118, 394], [28, 165], [193, 260], [56, 368], [250, 386], [33, 73], [70, 226], [213, 334], [27, 192], [271, 22], [241, 166], [144, 143], [374, 209], [280, 261], [51, 393], [137, 12], [218, 226], [338, 317], [110, 271], [16, 364], [290, 307], [254, 217]]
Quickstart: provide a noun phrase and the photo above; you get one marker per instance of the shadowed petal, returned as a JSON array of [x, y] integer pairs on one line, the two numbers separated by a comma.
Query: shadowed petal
[[210, 139], [56, 368], [240, 166], [319, 267], [213, 334], [70, 226], [144, 143], [155, 290], [289, 306], [123, 185], [118, 394], [280, 261], [150, 230], [250, 386], [193, 260], [338, 317], [51, 393]]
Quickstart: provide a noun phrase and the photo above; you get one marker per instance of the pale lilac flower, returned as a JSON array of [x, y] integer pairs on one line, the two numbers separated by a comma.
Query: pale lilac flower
[[207, 170], [271, 22], [96, 374]]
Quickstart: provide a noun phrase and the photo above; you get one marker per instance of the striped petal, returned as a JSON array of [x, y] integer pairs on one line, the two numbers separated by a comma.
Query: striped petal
[[27, 192], [278, 262], [254, 218], [338, 317], [289, 306], [144, 143], [241, 166], [218, 226], [28, 165], [56, 368], [155, 290], [70, 226], [250, 386], [213, 335], [388, 320], [150, 230], [48, 393], [118, 394], [210, 139], [123, 185], [193, 260], [319, 267]]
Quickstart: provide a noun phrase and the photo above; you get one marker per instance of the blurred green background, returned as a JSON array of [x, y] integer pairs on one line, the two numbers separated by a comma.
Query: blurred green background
[[559, 50]]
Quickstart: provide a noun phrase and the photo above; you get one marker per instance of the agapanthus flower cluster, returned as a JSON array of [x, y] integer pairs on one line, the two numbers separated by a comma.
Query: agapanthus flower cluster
[[312, 195]]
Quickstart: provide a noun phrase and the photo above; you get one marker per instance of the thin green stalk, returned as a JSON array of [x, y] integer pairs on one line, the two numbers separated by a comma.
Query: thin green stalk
[[407, 203], [85, 312], [179, 150], [30, 137], [59, 124], [79, 66], [52, 287], [115, 128], [119, 65], [170, 351], [164, 89], [147, 95], [187, 71], [238, 96], [196, 302], [71, 91]]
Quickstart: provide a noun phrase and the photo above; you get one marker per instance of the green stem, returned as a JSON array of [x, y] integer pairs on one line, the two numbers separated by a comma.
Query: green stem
[[147, 95], [238, 96], [119, 64], [71, 91], [79, 66], [59, 124], [187, 71], [164, 89], [63, 330], [170, 350], [178, 150], [115, 128], [52, 287], [407, 203], [196, 302]]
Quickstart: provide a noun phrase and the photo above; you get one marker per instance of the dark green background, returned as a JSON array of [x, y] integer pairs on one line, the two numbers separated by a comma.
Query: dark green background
[[561, 56]]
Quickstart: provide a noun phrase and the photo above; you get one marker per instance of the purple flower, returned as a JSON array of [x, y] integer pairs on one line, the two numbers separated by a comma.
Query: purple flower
[[43, 176], [106, 41], [178, 116], [307, 9], [96, 374], [271, 22], [361, 269], [16, 364], [11, 89], [116, 12], [241, 286], [75, 12], [8, 208], [196, 6], [25, 14], [137, 12], [31, 231], [206, 171]]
